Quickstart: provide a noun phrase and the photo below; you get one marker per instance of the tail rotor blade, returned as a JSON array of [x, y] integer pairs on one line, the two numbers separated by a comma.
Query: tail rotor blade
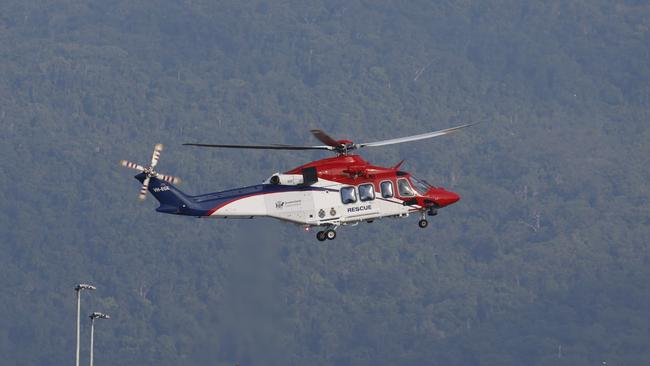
[[156, 155], [143, 190], [128, 164], [169, 178]]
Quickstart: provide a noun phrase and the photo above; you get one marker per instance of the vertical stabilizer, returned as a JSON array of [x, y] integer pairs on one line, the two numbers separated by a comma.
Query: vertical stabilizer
[[171, 199]]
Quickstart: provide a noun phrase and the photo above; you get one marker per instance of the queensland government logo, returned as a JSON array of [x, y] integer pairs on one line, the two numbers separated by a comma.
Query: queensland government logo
[[282, 204]]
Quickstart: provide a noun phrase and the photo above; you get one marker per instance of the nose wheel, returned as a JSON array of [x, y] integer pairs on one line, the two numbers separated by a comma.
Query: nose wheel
[[329, 234], [423, 223]]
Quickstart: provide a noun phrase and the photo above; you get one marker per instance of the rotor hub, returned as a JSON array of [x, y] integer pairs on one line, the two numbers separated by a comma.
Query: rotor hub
[[345, 147], [150, 172]]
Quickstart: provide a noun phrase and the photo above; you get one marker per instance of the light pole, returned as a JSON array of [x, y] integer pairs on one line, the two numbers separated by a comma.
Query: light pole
[[78, 288], [94, 316]]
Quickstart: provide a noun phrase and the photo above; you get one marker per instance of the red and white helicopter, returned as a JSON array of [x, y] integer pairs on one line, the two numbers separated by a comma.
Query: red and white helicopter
[[328, 193]]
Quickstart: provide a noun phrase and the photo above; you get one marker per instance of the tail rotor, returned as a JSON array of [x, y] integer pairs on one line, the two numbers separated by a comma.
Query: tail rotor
[[150, 172]]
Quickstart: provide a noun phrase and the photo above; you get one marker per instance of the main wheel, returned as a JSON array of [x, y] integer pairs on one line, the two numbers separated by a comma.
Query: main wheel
[[330, 234], [423, 223], [321, 236]]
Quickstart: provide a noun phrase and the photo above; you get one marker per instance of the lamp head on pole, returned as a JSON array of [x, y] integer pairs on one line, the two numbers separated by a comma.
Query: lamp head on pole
[[97, 315], [84, 286]]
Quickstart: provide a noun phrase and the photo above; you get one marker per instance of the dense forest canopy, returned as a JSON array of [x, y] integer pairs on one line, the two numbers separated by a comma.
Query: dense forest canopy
[[544, 261]]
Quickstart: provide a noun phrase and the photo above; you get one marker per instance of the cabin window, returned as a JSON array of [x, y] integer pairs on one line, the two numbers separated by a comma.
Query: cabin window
[[348, 195], [387, 189], [404, 188], [366, 192]]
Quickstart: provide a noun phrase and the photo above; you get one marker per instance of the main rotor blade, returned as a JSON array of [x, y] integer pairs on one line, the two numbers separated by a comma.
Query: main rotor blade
[[325, 138], [143, 190], [128, 164], [156, 155], [263, 147], [414, 137]]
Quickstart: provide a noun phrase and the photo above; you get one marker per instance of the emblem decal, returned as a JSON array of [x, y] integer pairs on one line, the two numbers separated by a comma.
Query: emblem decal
[[321, 213], [332, 212], [282, 204]]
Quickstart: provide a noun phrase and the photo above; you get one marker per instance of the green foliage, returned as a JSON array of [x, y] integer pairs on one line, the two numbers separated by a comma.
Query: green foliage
[[544, 261]]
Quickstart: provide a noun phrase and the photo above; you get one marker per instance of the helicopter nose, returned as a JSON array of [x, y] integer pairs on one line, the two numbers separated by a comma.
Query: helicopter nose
[[446, 198]]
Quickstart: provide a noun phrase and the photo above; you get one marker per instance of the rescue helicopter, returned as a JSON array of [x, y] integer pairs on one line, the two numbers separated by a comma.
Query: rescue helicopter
[[326, 194]]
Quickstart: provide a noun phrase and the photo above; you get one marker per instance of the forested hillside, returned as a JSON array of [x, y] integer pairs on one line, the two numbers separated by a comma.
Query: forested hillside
[[544, 261]]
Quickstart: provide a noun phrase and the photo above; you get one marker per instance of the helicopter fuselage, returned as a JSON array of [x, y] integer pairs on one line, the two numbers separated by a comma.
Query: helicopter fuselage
[[328, 193]]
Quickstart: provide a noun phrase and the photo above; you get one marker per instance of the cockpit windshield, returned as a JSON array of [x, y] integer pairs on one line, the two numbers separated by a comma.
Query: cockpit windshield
[[420, 185]]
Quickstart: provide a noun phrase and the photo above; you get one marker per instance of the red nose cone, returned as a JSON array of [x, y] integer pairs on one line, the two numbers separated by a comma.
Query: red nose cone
[[446, 198]]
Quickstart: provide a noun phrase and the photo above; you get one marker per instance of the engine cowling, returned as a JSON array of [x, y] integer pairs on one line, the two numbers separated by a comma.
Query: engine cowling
[[286, 179]]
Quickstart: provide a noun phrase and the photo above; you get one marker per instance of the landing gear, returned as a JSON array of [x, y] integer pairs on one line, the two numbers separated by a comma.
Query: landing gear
[[423, 223], [321, 236], [328, 234]]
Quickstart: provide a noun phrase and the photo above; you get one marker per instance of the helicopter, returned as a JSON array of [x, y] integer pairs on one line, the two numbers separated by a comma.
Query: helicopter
[[326, 194]]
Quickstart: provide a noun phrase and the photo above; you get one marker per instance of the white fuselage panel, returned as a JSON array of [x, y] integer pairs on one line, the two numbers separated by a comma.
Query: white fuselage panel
[[321, 204]]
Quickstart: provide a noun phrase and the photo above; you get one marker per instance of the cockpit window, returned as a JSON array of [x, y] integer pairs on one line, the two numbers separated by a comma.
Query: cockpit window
[[404, 188], [420, 186]]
